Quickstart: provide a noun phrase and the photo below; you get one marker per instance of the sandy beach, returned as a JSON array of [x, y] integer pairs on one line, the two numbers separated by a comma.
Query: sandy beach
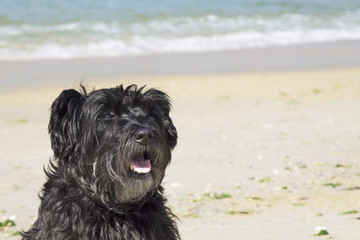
[[271, 153]]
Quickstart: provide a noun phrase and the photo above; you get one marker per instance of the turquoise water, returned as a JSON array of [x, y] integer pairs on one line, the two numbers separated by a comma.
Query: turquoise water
[[45, 29]]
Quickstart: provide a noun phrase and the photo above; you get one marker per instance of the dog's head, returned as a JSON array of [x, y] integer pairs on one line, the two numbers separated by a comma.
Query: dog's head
[[114, 143]]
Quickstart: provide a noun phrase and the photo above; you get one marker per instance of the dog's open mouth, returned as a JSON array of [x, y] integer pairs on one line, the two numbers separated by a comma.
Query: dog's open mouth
[[141, 164]]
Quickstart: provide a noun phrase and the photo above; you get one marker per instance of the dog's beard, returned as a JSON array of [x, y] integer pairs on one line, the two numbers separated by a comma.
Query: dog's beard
[[133, 189], [131, 171]]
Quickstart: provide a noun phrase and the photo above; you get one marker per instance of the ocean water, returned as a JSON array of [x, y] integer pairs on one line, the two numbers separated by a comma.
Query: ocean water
[[50, 29]]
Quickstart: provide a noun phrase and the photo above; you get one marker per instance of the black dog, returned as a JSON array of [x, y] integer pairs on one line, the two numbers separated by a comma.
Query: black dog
[[111, 148]]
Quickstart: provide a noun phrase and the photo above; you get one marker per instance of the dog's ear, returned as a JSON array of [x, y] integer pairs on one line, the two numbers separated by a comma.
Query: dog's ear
[[172, 133], [163, 101], [64, 121]]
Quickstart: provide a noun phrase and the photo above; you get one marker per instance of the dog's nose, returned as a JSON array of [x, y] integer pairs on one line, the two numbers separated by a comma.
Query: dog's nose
[[144, 136]]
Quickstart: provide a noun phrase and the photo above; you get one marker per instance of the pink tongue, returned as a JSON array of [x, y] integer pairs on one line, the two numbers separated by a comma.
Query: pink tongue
[[141, 165]]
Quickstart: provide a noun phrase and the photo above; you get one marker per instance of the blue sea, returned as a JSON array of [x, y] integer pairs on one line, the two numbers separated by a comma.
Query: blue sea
[[58, 29]]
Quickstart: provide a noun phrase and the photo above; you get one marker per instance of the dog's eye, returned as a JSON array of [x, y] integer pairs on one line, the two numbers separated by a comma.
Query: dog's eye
[[108, 116]]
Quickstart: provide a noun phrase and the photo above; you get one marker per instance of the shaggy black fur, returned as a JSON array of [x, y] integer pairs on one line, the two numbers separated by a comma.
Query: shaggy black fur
[[111, 148]]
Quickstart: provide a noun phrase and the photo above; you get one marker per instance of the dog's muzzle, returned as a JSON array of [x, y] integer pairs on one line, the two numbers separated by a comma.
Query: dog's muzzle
[[140, 163]]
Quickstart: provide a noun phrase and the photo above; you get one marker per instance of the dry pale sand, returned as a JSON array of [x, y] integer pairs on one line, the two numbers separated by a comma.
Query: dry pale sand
[[260, 156]]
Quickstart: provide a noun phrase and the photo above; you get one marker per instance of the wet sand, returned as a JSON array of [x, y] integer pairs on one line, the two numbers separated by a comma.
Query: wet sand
[[315, 56]]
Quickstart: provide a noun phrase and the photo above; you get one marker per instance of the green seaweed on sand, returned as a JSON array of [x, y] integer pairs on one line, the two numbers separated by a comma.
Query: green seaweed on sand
[[322, 232], [17, 233], [257, 198], [7, 223], [239, 212], [265, 180], [340, 165], [316, 91], [290, 99], [299, 204], [216, 196], [349, 212], [333, 185], [20, 121]]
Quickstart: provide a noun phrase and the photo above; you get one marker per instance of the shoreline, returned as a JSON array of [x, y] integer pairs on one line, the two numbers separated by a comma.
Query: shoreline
[[62, 72]]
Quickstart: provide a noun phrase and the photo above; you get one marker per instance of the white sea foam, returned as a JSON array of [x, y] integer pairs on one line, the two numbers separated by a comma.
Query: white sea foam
[[177, 34]]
